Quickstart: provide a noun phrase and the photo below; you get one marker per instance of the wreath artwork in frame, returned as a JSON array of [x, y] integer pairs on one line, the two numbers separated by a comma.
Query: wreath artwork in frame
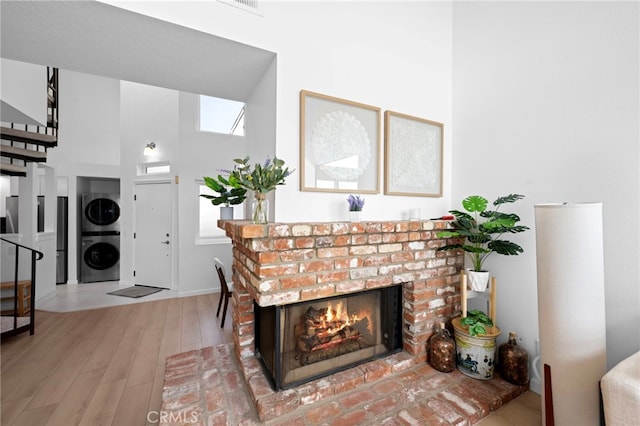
[[413, 155], [339, 145]]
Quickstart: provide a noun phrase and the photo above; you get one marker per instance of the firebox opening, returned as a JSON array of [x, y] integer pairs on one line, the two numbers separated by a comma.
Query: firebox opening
[[308, 340]]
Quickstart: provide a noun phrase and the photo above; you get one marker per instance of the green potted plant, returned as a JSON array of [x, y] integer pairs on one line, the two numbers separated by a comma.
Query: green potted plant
[[475, 335], [482, 231], [355, 207], [261, 179], [229, 195]]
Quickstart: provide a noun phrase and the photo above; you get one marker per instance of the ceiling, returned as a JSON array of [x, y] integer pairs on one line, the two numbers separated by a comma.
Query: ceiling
[[95, 38]]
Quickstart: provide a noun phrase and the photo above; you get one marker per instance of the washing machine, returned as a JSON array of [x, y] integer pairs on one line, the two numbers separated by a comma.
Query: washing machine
[[100, 258], [100, 212]]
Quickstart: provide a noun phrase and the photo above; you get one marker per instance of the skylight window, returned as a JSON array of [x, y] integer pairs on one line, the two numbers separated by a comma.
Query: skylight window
[[221, 116]]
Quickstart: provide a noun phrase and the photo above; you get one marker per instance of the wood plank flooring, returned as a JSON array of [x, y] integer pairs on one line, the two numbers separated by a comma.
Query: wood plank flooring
[[102, 366], [106, 366]]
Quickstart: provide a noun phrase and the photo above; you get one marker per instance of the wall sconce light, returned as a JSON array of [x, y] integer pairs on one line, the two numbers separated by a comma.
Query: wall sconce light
[[149, 148]]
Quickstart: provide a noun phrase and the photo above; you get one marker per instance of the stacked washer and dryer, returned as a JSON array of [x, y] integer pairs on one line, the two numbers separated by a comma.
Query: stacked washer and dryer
[[100, 245]]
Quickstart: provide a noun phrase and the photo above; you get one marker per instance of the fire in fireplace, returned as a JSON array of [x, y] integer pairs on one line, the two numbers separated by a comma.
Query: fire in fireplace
[[305, 341]]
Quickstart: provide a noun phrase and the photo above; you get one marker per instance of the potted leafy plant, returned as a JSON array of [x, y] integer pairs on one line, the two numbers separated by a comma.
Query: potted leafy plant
[[482, 230], [229, 195], [261, 179], [475, 335], [355, 207]]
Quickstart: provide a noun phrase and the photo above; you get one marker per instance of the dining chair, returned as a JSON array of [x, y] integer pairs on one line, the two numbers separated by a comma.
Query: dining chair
[[226, 290]]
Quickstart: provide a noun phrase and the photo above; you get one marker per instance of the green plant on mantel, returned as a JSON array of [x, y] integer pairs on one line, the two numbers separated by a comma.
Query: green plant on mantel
[[484, 237], [229, 194]]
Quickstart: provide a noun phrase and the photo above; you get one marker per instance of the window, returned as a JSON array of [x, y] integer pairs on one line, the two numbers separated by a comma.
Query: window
[[208, 215], [160, 168], [221, 116]]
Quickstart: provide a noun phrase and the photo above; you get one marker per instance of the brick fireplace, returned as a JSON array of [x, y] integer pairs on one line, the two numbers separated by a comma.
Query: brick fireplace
[[287, 263]]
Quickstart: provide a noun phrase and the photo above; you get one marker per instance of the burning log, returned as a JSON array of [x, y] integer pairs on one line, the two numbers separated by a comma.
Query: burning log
[[327, 334]]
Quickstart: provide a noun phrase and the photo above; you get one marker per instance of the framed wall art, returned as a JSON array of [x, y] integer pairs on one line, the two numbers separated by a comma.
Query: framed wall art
[[339, 145], [413, 155]]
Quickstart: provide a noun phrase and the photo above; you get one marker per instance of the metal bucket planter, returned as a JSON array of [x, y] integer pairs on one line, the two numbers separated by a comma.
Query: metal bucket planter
[[475, 355]]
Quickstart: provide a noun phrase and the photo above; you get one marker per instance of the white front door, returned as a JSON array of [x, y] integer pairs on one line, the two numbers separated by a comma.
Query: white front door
[[153, 239]]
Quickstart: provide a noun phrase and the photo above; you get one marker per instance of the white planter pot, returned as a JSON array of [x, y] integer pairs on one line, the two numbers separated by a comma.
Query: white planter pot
[[226, 213], [354, 216], [475, 356], [478, 280]]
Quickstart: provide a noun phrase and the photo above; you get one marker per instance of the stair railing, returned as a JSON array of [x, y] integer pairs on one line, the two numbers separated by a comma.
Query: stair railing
[[35, 256]]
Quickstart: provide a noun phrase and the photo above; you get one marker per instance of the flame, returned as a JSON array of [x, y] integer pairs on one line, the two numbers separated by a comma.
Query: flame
[[339, 314]]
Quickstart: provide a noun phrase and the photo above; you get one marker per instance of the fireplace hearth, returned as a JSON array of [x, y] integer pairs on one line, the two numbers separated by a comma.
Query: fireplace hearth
[[300, 342]]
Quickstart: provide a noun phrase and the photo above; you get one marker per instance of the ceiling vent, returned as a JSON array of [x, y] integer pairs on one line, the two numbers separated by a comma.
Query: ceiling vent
[[248, 5]]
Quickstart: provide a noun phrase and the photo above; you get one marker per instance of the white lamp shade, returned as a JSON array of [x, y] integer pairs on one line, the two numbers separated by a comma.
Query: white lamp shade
[[571, 314]]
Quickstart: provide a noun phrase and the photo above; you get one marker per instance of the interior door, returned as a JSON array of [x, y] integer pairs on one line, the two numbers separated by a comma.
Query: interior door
[[153, 241]]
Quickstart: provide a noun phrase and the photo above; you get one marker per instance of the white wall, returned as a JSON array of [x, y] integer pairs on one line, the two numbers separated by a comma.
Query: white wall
[[201, 154], [393, 55], [545, 103], [23, 87], [147, 114]]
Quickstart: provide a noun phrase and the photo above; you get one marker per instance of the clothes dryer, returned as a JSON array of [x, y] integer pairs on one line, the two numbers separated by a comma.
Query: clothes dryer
[[100, 258]]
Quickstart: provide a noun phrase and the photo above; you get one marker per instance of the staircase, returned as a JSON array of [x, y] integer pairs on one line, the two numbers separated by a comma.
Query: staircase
[[23, 143]]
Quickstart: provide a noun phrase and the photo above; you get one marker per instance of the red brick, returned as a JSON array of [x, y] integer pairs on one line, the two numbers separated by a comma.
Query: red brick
[[277, 404], [389, 238], [446, 411], [356, 398], [232, 380], [251, 231], [340, 228], [347, 380], [268, 257], [467, 408], [332, 277], [342, 240], [353, 262], [359, 239], [376, 260], [181, 401], [219, 418], [315, 391], [297, 281], [357, 417], [429, 416], [385, 387], [375, 370], [380, 406], [401, 257], [378, 282], [374, 238], [319, 414], [362, 250], [240, 403], [265, 271], [304, 242], [350, 286], [322, 229], [333, 252], [297, 255], [214, 399], [315, 266], [279, 230], [317, 292], [282, 243]]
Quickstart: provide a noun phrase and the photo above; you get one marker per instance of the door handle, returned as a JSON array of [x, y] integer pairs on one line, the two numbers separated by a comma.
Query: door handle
[[165, 242]]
